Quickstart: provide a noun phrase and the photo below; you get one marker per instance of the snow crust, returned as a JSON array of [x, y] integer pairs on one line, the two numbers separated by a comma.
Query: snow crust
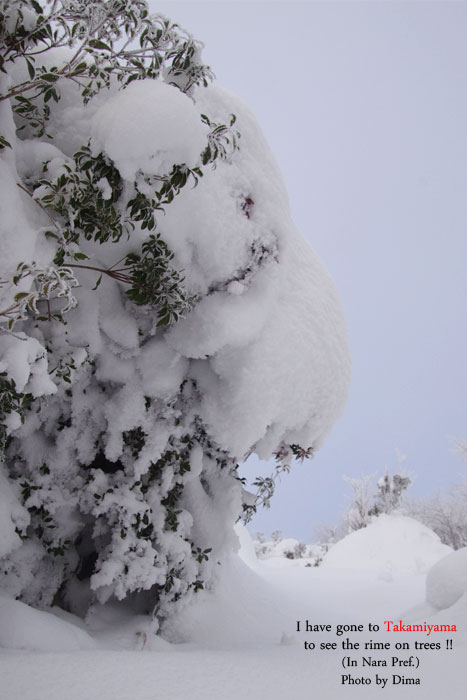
[[391, 544]]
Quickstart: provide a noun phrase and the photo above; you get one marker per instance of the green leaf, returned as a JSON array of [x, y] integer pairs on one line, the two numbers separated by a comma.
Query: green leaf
[[97, 283], [206, 155], [50, 77], [80, 68], [4, 143], [98, 44], [31, 69]]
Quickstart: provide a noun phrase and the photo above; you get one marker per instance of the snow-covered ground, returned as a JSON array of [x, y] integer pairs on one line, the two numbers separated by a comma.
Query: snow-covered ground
[[243, 641]]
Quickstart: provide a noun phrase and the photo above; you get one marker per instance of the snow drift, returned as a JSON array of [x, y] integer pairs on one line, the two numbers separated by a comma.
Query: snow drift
[[446, 581], [391, 544]]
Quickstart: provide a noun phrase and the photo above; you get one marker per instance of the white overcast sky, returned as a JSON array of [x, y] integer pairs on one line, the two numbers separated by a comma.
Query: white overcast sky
[[364, 105]]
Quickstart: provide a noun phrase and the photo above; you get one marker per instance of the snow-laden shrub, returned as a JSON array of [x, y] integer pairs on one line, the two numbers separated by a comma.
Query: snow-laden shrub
[[161, 317]]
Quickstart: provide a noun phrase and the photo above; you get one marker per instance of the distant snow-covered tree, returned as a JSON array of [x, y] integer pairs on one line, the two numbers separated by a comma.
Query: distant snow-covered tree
[[326, 535], [358, 515], [157, 310], [277, 536], [460, 447], [445, 513], [390, 490], [288, 548], [367, 504]]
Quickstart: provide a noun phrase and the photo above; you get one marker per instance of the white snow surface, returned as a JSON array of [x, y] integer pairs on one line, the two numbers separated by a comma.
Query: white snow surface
[[23, 627], [149, 126], [272, 362], [23, 358], [446, 581], [391, 544]]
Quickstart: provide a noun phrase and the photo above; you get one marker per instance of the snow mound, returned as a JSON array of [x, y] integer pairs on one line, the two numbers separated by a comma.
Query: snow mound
[[391, 544], [446, 581], [243, 610], [23, 627], [149, 126]]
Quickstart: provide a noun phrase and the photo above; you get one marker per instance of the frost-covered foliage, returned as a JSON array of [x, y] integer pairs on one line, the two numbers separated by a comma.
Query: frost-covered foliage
[[288, 547], [390, 490], [366, 505], [160, 316], [445, 514], [266, 485], [358, 514], [326, 535]]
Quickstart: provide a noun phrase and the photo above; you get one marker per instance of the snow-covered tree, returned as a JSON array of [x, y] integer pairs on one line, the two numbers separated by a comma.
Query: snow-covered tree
[[326, 535], [358, 514], [161, 317], [390, 489], [287, 547], [445, 513], [367, 504], [460, 447]]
